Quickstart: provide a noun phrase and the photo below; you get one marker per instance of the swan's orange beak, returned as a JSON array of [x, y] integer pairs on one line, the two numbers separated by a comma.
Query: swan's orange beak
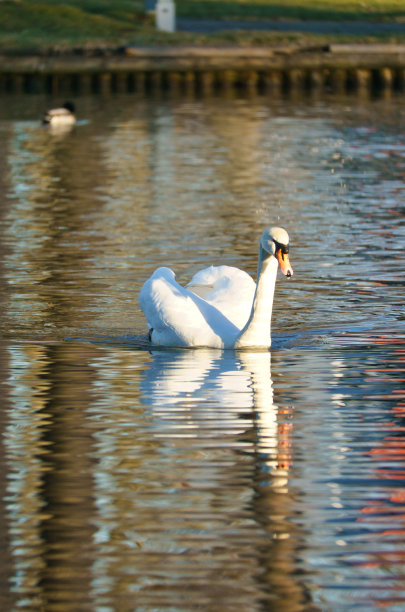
[[284, 263]]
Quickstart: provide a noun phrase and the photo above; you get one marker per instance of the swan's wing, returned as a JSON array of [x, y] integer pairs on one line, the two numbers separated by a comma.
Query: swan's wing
[[229, 289], [163, 301], [178, 317]]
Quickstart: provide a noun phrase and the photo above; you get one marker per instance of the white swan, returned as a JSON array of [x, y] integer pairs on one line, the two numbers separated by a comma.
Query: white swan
[[221, 307], [60, 117]]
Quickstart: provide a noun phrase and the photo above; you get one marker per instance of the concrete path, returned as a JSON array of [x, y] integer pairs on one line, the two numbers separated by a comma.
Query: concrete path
[[211, 26]]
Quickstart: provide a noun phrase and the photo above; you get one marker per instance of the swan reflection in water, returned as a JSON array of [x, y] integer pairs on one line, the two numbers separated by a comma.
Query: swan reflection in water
[[210, 394]]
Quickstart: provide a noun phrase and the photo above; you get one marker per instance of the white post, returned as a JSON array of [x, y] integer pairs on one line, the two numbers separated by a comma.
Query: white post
[[165, 15]]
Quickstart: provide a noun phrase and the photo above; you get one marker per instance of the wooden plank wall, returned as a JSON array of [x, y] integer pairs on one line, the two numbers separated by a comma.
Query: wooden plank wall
[[192, 69]]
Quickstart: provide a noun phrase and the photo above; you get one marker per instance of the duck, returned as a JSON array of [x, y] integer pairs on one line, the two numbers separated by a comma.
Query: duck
[[222, 307], [60, 117]]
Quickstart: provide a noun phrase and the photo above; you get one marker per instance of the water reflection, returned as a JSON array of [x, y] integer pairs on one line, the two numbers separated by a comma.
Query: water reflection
[[47, 508], [169, 474], [167, 477], [210, 426], [44, 229], [237, 382]]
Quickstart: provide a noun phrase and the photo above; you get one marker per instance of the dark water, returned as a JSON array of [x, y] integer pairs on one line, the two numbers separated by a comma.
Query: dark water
[[137, 479]]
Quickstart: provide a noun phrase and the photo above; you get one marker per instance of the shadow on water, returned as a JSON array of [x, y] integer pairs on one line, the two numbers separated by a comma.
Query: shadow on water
[[189, 479]]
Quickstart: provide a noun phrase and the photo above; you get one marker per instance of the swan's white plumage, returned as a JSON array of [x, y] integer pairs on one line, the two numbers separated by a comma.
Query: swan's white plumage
[[229, 289], [179, 317], [222, 306], [60, 117]]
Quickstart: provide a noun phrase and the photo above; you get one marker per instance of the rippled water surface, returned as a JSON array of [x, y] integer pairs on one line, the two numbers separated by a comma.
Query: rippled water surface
[[139, 479]]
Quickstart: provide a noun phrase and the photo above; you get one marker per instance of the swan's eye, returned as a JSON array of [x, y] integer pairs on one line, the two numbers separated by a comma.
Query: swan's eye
[[281, 247]]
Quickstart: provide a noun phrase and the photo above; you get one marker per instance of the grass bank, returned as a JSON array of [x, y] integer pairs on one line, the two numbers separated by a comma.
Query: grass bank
[[58, 25], [382, 10]]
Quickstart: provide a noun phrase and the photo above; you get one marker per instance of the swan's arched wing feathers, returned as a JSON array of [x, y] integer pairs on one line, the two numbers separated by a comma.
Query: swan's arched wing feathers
[[229, 289], [163, 300], [176, 316]]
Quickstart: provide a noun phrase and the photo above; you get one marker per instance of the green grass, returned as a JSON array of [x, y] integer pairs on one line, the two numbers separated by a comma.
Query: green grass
[[294, 9], [28, 25]]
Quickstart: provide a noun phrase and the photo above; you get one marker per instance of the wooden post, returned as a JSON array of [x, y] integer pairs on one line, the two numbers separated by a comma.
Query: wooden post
[[139, 81], [339, 80], [227, 79], [296, 79], [18, 83], [104, 83], [362, 80], [206, 82], [386, 77], [121, 82], [174, 81], [156, 80], [316, 79], [401, 79], [84, 83], [54, 84], [189, 82], [273, 80], [250, 80]]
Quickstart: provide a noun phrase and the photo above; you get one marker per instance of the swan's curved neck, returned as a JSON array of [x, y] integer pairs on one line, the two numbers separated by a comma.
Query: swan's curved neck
[[257, 331]]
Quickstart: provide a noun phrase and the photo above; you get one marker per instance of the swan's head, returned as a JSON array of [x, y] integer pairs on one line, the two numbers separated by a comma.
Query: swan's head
[[275, 241]]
